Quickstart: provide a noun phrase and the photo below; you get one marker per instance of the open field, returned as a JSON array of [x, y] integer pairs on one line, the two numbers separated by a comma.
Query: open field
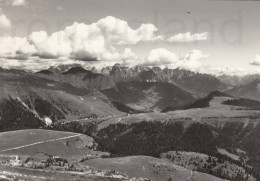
[[72, 146], [10, 140], [148, 167]]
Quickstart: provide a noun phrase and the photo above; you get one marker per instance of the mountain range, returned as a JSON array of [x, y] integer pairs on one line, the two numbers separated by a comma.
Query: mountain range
[[76, 92], [143, 111]]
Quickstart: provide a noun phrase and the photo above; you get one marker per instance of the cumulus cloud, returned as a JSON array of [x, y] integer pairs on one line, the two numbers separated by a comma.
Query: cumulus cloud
[[15, 2], [195, 55], [188, 37], [4, 21], [127, 57], [60, 8], [192, 61], [9, 45], [97, 42], [81, 42], [84, 42], [18, 2], [256, 61], [160, 56], [32, 63], [164, 58], [119, 32]]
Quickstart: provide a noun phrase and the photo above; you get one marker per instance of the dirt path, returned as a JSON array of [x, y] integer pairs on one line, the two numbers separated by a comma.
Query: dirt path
[[41, 142], [191, 175]]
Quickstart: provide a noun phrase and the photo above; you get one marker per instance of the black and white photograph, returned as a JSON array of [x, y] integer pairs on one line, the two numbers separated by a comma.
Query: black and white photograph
[[129, 90]]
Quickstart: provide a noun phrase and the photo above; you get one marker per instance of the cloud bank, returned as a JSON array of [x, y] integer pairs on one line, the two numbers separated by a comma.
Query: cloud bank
[[165, 58], [256, 61], [160, 56], [15, 2], [18, 2], [81, 41], [4, 21], [85, 42], [97, 44], [188, 37]]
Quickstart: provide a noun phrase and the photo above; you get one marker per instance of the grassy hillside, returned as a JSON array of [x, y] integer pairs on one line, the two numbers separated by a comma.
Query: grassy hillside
[[219, 166], [148, 167], [45, 154]]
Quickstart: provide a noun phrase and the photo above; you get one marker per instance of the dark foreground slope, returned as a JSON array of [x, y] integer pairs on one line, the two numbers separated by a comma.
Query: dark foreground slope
[[53, 155]]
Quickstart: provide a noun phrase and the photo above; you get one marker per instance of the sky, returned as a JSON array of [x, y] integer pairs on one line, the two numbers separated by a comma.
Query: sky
[[200, 35]]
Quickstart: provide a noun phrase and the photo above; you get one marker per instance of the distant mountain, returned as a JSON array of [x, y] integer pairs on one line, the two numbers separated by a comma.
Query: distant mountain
[[28, 100], [121, 73], [205, 102], [250, 90], [46, 72], [238, 80], [30, 107], [154, 75], [199, 103], [63, 68], [81, 77], [195, 83], [12, 71], [118, 89], [240, 103], [76, 70], [142, 88], [244, 103], [199, 84], [149, 96], [99, 82]]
